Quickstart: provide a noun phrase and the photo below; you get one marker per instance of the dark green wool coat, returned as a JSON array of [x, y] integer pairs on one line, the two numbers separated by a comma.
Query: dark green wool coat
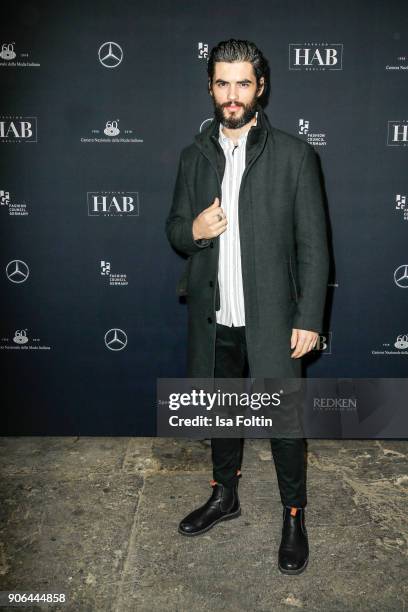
[[284, 249]]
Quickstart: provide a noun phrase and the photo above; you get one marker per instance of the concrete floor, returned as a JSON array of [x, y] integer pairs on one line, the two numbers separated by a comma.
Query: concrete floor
[[96, 519]]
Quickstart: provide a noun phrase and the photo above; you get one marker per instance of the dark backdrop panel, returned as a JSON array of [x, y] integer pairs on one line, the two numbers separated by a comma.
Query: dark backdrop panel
[[64, 379]]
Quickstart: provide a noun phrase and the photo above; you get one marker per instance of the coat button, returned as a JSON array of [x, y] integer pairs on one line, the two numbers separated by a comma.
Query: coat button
[[209, 320], [211, 284]]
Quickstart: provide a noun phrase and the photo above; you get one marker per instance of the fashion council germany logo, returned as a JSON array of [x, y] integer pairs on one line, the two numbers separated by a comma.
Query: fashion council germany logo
[[400, 204], [316, 139], [202, 50], [14, 207], [115, 279]]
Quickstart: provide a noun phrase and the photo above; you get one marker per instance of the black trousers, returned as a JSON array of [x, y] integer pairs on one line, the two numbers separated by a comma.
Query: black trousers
[[231, 361]]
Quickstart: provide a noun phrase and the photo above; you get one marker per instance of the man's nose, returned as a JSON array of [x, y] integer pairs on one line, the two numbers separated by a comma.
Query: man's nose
[[232, 94]]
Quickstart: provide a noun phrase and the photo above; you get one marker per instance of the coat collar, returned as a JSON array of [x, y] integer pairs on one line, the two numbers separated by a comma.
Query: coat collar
[[208, 143]]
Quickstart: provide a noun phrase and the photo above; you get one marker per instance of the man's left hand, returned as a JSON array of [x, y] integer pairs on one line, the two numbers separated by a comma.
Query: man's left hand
[[302, 341]]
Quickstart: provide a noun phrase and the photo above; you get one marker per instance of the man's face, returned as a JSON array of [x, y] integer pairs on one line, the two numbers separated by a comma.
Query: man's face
[[234, 93]]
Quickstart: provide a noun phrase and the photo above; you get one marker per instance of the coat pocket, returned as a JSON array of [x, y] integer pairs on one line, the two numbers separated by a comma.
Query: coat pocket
[[182, 285], [217, 297], [294, 290]]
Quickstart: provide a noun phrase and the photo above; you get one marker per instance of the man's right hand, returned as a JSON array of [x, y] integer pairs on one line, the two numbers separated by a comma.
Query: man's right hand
[[211, 222]]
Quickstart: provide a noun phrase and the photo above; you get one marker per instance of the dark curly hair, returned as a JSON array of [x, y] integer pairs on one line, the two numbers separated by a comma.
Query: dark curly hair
[[234, 50]]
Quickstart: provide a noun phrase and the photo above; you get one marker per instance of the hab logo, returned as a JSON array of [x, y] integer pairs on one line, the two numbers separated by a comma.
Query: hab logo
[[111, 128], [324, 343], [400, 204], [110, 54], [18, 129], [401, 276], [17, 271], [113, 203], [202, 50], [397, 133], [20, 336], [401, 342], [7, 52], [315, 56], [115, 339]]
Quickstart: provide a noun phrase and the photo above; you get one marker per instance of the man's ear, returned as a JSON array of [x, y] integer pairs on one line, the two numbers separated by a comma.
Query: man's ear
[[209, 87], [261, 86]]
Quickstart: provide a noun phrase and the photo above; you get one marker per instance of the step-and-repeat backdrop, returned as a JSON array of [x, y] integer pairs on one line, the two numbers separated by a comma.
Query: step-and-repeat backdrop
[[98, 99]]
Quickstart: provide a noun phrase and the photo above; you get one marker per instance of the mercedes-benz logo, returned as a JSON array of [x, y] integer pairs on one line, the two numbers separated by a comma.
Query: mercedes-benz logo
[[110, 54], [401, 276], [17, 271], [115, 339]]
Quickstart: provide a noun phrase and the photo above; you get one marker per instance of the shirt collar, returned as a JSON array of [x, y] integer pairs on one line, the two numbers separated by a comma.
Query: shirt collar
[[225, 138]]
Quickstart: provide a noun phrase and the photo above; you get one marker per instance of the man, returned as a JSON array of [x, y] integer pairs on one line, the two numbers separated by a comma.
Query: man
[[248, 212]]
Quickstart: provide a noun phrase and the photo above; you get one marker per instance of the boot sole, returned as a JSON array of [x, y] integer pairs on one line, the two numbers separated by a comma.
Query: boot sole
[[296, 571], [227, 517]]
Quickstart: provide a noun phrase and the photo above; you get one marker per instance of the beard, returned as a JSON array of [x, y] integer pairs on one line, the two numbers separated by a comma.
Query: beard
[[231, 122]]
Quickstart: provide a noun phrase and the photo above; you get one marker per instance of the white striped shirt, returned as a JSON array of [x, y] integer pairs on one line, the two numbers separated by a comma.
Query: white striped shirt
[[232, 311]]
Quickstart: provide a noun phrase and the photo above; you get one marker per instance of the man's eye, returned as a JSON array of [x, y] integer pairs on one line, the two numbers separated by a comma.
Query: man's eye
[[241, 84]]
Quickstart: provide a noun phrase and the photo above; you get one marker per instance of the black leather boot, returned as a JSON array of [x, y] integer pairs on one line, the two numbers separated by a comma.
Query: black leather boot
[[221, 506], [294, 547]]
